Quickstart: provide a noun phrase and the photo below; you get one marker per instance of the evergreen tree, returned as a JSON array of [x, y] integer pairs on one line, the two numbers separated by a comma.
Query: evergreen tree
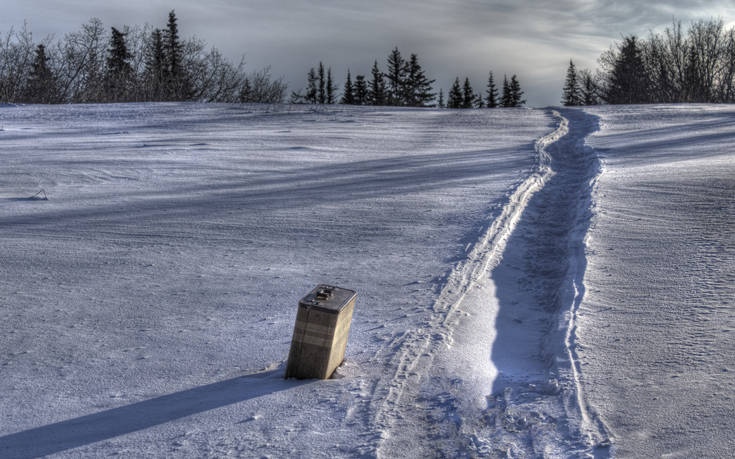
[[417, 87], [572, 95], [396, 78], [516, 95], [322, 85], [589, 88], [155, 67], [505, 99], [312, 91], [178, 84], [41, 87], [479, 102], [331, 89], [441, 98], [348, 93], [455, 95], [377, 94], [468, 95], [492, 92], [119, 71], [628, 83], [361, 90]]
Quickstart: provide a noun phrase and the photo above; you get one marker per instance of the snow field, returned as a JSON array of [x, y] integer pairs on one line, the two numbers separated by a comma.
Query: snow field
[[148, 305], [517, 297], [656, 335]]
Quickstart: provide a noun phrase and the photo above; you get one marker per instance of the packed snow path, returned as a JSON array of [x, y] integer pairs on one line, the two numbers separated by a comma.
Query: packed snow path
[[495, 372], [539, 408], [444, 352]]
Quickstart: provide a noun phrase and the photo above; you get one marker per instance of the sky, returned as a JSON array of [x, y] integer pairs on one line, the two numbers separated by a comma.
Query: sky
[[465, 38]]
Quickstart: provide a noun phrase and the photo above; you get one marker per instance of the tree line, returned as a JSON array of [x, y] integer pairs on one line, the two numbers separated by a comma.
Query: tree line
[[140, 64], [674, 66], [404, 84], [131, 64]]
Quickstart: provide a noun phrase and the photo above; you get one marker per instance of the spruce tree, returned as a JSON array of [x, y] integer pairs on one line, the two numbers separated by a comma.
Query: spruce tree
[[629, 82], [492, 92], [41, 87], [479, 102], [572, 94], [331, 89], [119, 71], [312, 90], [417, 87], [377, 92], [468, 95], [322, 85], [516, 95], [178, 84], [455, 95], [441, 98], [155, 67], [589, 88], [361, 90], [348, 93], [396, 78], [506, 99]]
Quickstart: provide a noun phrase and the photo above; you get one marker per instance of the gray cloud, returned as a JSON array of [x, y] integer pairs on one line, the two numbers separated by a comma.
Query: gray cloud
[[452, 37]]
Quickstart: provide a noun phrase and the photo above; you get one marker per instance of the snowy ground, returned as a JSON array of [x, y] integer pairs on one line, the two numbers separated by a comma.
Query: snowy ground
[[657, 324], [147, 306], [531, 283]]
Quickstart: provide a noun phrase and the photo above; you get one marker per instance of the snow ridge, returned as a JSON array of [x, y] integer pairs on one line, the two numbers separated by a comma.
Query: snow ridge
[[591, 425], [396, 408]]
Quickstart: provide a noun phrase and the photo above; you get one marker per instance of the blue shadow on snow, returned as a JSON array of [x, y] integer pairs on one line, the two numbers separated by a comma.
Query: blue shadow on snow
[[85, 430]]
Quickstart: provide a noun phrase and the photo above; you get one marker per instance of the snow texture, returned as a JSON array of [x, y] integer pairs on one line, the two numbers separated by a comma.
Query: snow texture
[[148, 304], [657, 324], [532, 283]]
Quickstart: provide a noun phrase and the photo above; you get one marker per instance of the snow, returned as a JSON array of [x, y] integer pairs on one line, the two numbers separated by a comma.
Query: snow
[[657, 324], [531, 283], [148, 305]]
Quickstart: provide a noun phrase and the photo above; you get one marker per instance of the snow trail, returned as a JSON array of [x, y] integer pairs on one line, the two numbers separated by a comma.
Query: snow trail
[[585, 180], [495, 372], [399, 405], [538, 407]]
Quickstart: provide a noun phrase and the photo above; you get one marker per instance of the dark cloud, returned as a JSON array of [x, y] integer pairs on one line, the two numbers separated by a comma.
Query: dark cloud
[[452, 37]]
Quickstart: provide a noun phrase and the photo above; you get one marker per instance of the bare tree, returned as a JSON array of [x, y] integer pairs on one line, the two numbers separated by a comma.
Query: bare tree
[[16, 57], [262, 88], [79, 63], [216, 79], [693, 65]]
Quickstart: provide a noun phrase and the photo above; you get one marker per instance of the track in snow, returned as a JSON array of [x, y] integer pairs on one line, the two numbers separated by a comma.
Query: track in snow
[[396, 403], [531, 260], [538, 407]]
